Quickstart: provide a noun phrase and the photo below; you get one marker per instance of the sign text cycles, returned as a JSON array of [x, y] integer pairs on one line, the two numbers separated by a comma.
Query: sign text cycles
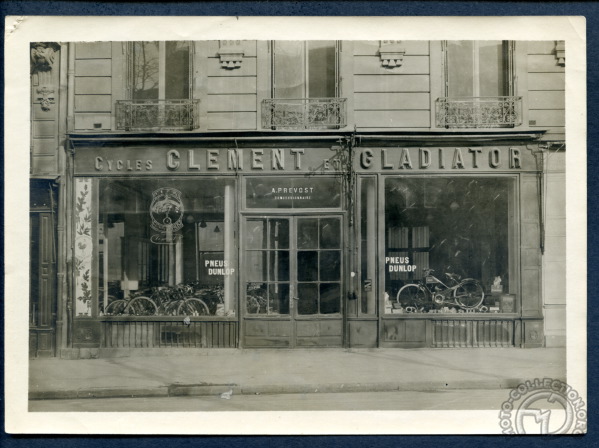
[[299, 159]]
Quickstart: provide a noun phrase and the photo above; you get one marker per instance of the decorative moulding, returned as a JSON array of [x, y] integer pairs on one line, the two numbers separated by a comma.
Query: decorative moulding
[[45, 95], [560, 52], [230, 53], [42, 55], [391, 53]]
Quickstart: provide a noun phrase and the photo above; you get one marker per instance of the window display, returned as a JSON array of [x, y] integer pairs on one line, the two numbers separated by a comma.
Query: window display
[[166, 247], [447, 242]]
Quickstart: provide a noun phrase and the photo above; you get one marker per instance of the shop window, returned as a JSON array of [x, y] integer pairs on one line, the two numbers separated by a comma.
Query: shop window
[[462, 227], [305, 86], [166, 247]]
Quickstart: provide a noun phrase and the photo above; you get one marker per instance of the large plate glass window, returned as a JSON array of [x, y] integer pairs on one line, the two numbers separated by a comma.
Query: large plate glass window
[[166, 247], [458, 226]]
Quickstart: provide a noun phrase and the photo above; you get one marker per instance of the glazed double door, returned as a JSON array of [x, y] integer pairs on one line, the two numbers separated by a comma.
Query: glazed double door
[[292, 281]]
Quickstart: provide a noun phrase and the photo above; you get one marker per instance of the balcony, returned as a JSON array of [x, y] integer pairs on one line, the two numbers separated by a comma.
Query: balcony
[[479, 112], [304, 113], [157, 115]]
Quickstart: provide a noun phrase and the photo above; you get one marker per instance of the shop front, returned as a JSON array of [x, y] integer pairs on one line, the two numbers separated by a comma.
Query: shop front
[[296, 244]]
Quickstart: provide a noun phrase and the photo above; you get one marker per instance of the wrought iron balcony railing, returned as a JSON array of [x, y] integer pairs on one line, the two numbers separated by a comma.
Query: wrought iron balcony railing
[[479, 112], [147, 115], [304, 113]]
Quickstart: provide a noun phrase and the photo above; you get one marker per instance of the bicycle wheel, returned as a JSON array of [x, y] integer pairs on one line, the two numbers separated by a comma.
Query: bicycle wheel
[[411, 294], [193, 307], [469, 294], [116, 307], [142, 306]]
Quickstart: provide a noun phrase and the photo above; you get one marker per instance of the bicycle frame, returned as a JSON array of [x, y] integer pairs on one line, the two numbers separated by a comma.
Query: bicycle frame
[[446, 292], [439, 293]]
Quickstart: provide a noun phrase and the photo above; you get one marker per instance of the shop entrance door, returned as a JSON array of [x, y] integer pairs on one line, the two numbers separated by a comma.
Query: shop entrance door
[[292, 270]]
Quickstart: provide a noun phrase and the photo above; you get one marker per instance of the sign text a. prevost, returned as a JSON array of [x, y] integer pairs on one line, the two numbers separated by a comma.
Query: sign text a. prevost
[[366, 159]]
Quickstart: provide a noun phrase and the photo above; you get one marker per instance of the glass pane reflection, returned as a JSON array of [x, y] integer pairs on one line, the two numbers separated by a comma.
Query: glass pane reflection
[[330, 233], [308, 298], [307, 266], [255, 237], [278, 266], [279, 234], [278, 298], [330, 298], [256, 266], [307, 233], [330, 265]]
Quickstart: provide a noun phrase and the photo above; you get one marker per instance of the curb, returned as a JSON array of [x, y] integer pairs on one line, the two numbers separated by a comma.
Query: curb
[[204, 389]]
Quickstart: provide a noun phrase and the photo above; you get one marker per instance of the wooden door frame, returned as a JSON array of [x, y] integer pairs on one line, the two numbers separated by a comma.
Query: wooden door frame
[[293, 216]]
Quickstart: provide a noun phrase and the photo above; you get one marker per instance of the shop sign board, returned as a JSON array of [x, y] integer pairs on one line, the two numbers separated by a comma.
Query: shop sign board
[[171, 160]]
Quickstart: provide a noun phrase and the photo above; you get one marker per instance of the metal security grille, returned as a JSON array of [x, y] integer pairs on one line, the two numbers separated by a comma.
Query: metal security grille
[[473, 333], [159, 334]]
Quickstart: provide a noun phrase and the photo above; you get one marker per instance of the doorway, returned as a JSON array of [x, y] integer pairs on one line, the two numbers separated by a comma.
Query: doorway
[[292, 284]]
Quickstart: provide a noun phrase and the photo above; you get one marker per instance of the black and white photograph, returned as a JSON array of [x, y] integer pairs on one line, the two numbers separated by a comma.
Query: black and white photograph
[[296, 226]]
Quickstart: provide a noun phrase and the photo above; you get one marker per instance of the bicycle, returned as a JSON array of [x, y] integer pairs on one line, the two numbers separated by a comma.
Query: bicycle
[[466, 294]]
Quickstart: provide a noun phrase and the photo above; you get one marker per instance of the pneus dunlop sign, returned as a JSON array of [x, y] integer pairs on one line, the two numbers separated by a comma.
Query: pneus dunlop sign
[[543, 406]]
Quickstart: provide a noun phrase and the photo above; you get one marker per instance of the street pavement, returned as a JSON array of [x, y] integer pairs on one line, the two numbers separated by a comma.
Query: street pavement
[[270, 371], [351, 401]]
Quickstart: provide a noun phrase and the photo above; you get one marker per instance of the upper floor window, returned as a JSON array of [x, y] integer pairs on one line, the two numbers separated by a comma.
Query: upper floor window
[[479, 85], [159, 70], [305, 86], [307, 69], [478, 68], [159, 88]]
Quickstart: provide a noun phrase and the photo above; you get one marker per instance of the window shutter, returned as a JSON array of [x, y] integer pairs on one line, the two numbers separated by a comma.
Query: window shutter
[[128, 53], [272, 51], [191, 69], [445, 71], [338, 50], [511, 72]]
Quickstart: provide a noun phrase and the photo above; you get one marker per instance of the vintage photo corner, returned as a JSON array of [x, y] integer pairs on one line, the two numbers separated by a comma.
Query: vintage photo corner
[[300, 225]]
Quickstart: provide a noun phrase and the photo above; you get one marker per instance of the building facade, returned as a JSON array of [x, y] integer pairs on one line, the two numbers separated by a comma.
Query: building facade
[[244, 194]]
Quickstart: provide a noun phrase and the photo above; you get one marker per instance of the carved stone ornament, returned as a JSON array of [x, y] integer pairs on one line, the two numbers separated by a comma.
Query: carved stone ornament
[[231, 54], [43, 55], [391, 53], [560, 52], [45, 96]]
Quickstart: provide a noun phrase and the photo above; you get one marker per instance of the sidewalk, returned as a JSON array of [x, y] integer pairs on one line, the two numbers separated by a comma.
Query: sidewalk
[[292, 371]]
